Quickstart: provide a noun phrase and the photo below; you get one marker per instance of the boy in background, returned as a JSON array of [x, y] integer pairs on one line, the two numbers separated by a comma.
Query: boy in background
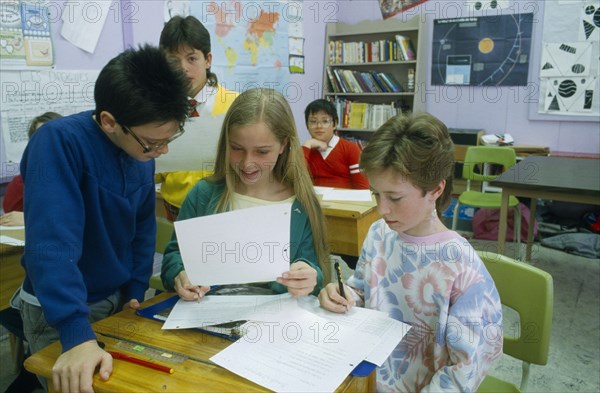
[[332, 161]]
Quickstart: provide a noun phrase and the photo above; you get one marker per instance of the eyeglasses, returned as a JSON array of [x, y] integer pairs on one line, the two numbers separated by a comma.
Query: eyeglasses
[[320, 123], [157, 145]]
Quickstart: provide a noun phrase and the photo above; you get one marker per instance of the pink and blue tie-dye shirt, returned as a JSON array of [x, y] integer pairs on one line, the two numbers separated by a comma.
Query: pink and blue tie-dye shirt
[[439, 286]]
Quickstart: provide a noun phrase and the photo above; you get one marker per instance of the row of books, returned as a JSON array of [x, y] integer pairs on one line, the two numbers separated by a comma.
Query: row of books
[[352, 81], [399, 48], [362, 115]]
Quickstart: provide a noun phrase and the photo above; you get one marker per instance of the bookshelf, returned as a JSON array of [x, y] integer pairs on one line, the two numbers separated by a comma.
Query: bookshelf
[[370, 74]]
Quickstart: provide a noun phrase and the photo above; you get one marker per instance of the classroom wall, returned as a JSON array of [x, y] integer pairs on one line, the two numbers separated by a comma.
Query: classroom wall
[[133, 22], [302, 88], [497, 110], [69, 57]]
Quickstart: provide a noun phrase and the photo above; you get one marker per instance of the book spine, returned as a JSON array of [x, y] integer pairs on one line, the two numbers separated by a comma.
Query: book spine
[[349, 77], [361, 82], [334, 87], [339, 52], [346, 114], [392, 81], [341, 81], [411, 79], [331, 52], [387, 83], [380, 83]]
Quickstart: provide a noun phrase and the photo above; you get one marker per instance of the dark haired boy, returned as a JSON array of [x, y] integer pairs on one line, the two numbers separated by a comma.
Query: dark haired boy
[[90, 209]]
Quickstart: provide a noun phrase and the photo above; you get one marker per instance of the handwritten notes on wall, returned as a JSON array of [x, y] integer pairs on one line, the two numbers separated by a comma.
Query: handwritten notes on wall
[[26, 94]]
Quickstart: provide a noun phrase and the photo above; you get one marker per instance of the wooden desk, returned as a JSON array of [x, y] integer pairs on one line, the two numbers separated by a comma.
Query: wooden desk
[[348, 224], [555, 178], [195, 374], [11, 271]]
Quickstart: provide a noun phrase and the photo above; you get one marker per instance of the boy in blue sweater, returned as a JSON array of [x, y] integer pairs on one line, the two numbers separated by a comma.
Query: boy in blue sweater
[[90, 209]]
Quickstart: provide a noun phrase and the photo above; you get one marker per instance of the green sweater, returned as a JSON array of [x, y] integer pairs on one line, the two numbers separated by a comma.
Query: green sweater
[[202, 200]]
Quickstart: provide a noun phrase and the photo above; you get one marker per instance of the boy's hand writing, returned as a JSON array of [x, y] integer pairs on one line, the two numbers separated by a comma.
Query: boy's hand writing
[[186, 290], [74, 369], [300, 280], [330, 299]]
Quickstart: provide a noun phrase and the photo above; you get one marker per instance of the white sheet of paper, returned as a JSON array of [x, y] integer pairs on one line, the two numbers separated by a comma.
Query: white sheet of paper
[[391, 333], [237, 247], [212, 310], [322, 190], [11, 241], [306, 355], [309, 349], [372, 325], [347, 195], [83, 25]]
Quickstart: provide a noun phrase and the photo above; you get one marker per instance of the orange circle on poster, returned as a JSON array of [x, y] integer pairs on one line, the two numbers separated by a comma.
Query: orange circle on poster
[[486, 45]]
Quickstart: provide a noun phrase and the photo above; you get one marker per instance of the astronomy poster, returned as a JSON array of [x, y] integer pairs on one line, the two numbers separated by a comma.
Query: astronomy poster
[[482, 51]]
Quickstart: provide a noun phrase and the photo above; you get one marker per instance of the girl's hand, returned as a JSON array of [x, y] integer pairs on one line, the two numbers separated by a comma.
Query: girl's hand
[[330, 299], [300, 280], [186, 290]]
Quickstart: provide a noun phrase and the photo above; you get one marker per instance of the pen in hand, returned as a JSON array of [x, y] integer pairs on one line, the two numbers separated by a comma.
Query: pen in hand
[[338, 272], [127, 358]]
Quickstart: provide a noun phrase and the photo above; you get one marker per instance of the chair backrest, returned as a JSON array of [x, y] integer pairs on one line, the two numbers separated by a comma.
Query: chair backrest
[[164, 231], [476, 156], [529, 291]]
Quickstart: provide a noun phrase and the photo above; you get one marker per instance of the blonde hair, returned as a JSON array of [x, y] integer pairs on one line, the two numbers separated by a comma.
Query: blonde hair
[[417, 147], [271, 108]]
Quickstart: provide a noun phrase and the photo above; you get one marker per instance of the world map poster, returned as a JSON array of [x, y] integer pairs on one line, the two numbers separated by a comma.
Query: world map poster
[[482, 51], [249, 41]]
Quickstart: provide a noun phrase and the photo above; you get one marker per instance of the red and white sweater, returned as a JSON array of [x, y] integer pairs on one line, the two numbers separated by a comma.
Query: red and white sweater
[[337, 166]]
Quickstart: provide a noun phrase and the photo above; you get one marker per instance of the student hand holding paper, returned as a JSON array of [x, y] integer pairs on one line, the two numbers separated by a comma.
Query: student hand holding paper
[[300, 280], [186, 290]]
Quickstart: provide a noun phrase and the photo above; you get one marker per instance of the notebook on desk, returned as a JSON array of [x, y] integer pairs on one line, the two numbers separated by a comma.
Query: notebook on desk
[[230, 331]]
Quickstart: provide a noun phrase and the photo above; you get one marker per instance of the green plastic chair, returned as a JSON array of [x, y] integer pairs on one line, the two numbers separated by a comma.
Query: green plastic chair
[[164, 231], [529, 291], [474, 165]]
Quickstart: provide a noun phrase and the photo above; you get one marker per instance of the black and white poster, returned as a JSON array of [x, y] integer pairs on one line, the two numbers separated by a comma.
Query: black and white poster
[[569, 62]]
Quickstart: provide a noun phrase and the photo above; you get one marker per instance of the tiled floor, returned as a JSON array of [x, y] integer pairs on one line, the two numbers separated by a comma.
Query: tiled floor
[[574, 363]]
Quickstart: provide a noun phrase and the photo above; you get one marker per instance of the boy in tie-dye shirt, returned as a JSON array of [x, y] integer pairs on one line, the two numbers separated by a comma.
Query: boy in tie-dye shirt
[[418, 271]]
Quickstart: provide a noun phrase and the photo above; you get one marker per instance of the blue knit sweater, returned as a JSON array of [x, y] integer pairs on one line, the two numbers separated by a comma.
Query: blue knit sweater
[[89, 223]]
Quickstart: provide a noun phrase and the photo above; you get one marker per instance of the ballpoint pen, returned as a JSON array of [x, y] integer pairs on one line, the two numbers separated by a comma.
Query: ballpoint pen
[[338, 272], [127, 358]]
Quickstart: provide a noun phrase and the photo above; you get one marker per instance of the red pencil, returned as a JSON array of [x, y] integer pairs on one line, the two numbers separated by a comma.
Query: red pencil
[[127, 358]]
